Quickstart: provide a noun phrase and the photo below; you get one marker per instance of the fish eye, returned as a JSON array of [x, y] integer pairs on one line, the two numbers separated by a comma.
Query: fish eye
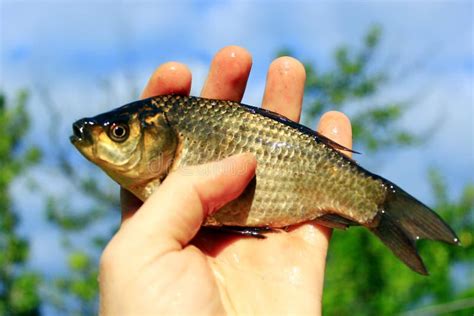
[[118, 132]]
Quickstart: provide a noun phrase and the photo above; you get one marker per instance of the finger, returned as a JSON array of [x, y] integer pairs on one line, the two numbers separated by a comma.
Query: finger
[[337, 127], [285, 87], [228, 74], [171, 77], [172, 216]]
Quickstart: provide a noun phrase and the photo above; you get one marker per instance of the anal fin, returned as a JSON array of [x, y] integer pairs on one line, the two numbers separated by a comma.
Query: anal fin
[[335, 221], [401, 244]]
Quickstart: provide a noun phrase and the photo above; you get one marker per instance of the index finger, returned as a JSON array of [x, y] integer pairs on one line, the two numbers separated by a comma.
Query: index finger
[[168, 78], [228, 74]]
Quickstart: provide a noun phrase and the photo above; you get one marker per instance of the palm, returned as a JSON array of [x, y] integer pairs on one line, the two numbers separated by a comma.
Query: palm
[[259, 276]]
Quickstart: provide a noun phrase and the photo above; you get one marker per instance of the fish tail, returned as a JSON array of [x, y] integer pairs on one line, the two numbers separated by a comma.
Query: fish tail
[[402, 220]]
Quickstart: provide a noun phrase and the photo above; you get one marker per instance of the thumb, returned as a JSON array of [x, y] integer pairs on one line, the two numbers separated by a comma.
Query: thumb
[[172, 216]]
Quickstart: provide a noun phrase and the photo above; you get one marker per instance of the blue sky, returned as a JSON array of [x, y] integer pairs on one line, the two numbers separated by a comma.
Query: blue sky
[[76, 48]]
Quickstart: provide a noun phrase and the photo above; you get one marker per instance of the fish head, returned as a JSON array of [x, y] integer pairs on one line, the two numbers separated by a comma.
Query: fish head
[[133, 144]]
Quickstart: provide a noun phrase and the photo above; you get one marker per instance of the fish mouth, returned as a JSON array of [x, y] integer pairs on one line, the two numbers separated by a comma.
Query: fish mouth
[[77, 141], [81, 132]]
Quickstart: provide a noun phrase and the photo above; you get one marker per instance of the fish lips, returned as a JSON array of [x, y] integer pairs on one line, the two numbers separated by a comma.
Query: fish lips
[[81, 130]]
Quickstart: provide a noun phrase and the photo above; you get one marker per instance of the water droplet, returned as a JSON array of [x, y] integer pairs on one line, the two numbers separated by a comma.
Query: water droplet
[[417, 237]]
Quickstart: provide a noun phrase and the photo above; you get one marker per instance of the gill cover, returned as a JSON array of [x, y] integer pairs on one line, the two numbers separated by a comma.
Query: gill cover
[[142, 156]]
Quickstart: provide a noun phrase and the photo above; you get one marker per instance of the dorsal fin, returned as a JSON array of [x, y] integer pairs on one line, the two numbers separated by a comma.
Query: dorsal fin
[[303, 129]]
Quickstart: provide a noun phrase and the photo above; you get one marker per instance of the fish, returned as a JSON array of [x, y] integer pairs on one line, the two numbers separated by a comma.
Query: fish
[[301, 175]]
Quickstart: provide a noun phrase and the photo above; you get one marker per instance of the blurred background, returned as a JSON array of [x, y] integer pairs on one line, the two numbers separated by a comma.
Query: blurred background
[[402, 70]]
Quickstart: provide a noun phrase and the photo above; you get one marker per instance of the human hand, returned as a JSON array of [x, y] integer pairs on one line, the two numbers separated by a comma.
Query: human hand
[[158, 262]]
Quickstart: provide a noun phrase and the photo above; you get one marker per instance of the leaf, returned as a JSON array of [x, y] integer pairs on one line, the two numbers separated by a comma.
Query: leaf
[[78, 261]]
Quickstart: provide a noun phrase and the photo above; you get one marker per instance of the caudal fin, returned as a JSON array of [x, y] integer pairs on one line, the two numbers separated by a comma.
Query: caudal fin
[[403, 220]]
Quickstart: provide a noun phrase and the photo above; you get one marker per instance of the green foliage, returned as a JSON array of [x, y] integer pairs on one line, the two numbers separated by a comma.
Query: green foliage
[[76, 293], [351, 86], [18, 285]]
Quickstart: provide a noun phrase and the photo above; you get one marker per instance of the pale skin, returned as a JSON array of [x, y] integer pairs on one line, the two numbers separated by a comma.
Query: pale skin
[[160, 263]]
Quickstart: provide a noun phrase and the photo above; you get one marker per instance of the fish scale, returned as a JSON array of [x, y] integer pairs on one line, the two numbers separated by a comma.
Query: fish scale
[[315, 176]]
